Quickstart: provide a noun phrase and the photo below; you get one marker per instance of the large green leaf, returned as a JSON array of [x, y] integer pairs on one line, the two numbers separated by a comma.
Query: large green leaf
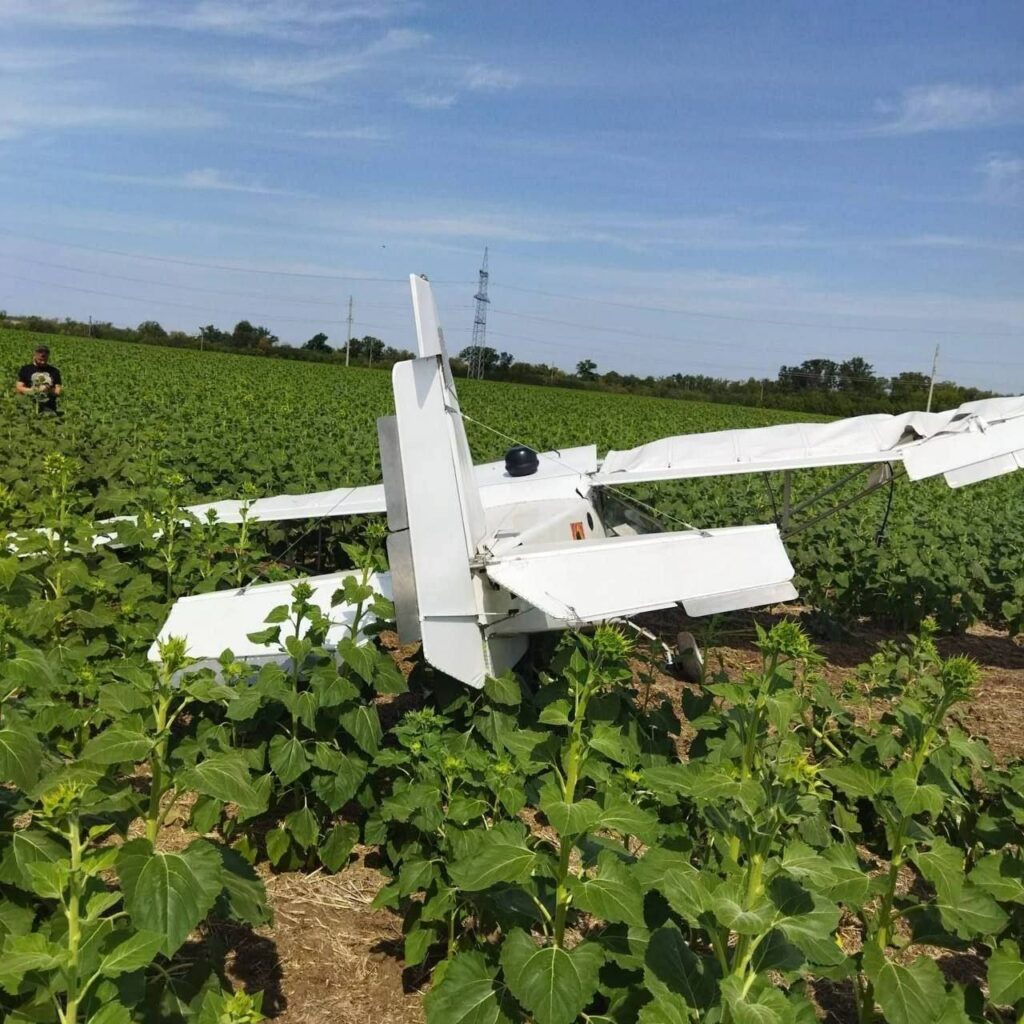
[[244, 896], [855, 780], [131, 951], [913, 797], [671, 966], [28, 953], [569, 819], [117, 745], [224, 777], [971, 912], [26, 847], [167, 893], [1000, 875], [363, 725], [337, 845], [614, 895], [504, 689], [497, 855], [808, 920], [907, 995], [729, 906], [666, 1008], [805, 864], [762, 1004], [470, 993], [1006, 975], [288, 758], [21, 754], [625, 817], [943, 866], [555, 985]]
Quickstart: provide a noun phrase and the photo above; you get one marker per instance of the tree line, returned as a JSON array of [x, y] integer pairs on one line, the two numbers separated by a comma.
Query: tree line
[[849, 387], [846, 388]]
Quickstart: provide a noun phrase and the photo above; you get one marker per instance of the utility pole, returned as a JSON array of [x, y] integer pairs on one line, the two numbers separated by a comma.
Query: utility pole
[[931, 385], [348, 337]]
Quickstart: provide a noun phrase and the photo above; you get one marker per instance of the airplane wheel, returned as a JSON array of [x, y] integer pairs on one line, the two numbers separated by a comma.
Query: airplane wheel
[[689, 660]]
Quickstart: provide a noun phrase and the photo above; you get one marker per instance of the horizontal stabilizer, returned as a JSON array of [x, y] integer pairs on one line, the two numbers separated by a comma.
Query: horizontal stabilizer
[[223, 620], [738, 567]]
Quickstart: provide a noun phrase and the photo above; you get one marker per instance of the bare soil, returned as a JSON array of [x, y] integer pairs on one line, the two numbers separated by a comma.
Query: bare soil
[[329, 958]]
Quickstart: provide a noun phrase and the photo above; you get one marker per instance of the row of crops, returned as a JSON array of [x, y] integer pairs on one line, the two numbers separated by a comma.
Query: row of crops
[[579, 843]]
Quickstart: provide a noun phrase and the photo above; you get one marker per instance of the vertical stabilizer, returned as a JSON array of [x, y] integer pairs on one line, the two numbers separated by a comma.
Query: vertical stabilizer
[[430, 338]]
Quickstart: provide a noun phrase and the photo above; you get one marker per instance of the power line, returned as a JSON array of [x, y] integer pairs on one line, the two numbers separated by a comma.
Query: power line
[[704, 314], [213, 266], [187, 287], [681, 311], [663, 360], [716, 343]]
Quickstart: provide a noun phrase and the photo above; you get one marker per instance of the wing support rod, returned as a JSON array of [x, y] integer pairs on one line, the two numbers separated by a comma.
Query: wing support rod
[[887, 477]]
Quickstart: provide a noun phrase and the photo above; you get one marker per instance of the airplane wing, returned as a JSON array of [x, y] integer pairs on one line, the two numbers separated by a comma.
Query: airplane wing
[[342, 501], [970, 443], [706, 571], [559, 474]]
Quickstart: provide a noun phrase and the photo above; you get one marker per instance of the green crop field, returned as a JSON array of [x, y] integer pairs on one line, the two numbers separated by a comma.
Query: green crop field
[[583, 842]]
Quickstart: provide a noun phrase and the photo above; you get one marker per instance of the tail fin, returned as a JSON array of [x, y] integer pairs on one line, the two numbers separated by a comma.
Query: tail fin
[[440, 527], [431, 342]]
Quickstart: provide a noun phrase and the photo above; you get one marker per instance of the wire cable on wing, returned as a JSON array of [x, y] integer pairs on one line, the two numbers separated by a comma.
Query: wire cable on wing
[[555, 460]]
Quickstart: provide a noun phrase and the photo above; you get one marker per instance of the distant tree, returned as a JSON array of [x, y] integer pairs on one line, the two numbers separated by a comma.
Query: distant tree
[[490, 360], [505, 361], [810, 375], [150, 330], [909, 390], [367, 348], [244, 335], [214, 335], [857, 376], [318, 343], [586, 369]]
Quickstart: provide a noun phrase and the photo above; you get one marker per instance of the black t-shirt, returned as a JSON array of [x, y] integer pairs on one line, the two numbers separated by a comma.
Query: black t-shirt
[[33, 376]]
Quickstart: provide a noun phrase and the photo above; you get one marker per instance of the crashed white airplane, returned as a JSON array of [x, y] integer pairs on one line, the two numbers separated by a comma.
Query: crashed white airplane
[[483, 556]]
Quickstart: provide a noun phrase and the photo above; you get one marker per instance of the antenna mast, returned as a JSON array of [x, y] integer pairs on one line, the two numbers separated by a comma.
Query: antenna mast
[[476, 355]]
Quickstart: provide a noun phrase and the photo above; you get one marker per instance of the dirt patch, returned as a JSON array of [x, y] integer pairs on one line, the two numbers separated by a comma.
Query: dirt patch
[[329, 958]]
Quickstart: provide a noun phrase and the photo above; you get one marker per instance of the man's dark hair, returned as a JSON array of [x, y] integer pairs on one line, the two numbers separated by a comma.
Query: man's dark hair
[[42, 348]]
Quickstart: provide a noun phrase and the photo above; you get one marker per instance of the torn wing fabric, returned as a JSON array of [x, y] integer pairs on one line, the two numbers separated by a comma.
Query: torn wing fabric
[[716, 570], [860, 439]]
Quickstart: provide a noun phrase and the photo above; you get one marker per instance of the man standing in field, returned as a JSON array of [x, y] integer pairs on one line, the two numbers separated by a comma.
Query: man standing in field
[[40, 380]]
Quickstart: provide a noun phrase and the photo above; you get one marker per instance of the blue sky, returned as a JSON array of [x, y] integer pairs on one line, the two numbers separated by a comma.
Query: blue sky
[[711, 188]]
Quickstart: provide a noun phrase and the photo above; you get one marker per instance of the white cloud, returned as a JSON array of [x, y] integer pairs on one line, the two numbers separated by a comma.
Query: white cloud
[[273, 74], [485, 77], [1003, 179], [941, 107], [949, 107], [430, 100], [342, 134], [204, 179], [299, 19], [21, 118]]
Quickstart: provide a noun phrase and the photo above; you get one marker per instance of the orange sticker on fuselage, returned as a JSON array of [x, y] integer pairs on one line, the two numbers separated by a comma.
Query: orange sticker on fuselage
[[576, 529]]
